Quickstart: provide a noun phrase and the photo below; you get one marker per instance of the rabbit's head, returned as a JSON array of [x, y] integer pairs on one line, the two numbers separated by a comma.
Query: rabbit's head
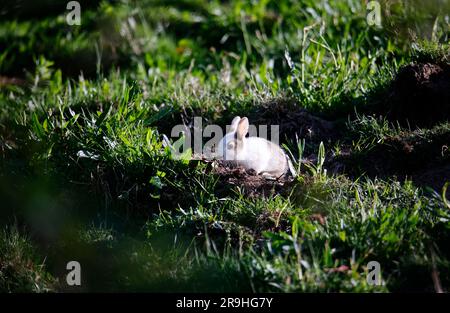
[[231, 147]]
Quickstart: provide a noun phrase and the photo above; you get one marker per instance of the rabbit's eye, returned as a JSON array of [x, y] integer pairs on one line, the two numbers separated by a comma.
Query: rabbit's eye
[[230, 145]]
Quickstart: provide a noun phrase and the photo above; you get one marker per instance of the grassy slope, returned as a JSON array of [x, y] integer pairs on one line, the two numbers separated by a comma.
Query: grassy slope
[[84, 174]]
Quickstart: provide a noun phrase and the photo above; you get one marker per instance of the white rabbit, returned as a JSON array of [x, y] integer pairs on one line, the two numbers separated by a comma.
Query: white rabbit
[[254, 153]]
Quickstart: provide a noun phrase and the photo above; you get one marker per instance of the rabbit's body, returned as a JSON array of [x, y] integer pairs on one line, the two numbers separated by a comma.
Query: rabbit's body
[[254, 153]]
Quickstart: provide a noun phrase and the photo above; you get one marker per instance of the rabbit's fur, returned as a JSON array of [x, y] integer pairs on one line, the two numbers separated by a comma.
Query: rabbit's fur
[[254, 153]]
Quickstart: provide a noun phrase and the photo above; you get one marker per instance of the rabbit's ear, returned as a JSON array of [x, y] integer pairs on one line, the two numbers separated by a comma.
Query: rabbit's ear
[[234, 123], [242, 128]]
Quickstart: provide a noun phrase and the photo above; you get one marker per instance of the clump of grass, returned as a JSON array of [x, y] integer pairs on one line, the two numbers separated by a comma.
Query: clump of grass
[[20, 269]]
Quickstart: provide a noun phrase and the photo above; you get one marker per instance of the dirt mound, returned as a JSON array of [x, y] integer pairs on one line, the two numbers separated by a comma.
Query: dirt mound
[[420, 94], [294, 121], [252, 184]]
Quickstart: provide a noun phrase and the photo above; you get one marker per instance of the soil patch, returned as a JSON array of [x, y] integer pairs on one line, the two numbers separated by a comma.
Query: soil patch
[[294, 121], [419, 95], [435, 177], [252, 184]]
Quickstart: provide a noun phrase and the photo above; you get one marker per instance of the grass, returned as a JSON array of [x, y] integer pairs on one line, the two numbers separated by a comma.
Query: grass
[[21, 270], [85, 172]]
